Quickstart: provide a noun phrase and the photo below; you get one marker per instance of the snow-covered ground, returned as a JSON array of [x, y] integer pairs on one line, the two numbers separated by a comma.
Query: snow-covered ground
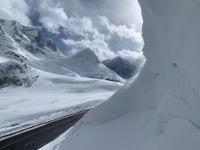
[[51, 94]]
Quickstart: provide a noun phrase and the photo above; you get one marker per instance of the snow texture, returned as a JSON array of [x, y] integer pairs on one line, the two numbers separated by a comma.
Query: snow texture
[[160, 109]]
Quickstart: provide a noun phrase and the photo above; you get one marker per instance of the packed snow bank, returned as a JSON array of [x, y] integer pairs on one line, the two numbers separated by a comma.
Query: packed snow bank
[[160, 109]]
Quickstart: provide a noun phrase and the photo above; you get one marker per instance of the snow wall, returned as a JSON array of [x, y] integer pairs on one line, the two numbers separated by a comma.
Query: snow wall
[[160, 110]]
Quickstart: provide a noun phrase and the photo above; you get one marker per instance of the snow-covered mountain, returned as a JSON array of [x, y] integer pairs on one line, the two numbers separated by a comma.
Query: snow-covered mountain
[[21, 43], [17, 43], [123, 67], [87, 64], [25, 46]]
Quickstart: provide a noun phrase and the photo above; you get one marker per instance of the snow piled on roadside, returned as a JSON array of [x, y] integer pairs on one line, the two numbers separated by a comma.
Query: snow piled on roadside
[[160, 109]]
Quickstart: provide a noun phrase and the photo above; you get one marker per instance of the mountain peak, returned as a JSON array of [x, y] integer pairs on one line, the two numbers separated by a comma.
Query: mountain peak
[[86, 55]]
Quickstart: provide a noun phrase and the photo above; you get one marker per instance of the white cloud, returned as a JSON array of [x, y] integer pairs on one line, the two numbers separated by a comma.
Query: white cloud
[[107, 35], [99, 46], [15, 10], [83, 28], [119, 12], [105, 44], [51, 15], [133, 56], [128, 53], [123, 31]]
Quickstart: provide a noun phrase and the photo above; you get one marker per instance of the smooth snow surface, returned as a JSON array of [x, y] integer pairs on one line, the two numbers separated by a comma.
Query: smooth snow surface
[[160, 110], [50, 94], [3, 59]]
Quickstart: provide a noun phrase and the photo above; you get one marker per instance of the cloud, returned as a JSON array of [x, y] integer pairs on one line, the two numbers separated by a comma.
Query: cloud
[[92, 24], [121, 36], [99, 46], [51, 15], [133, 54], [82, 26], [15, 10], [123, 31], [119, 12], [134, 57], [104, 41]]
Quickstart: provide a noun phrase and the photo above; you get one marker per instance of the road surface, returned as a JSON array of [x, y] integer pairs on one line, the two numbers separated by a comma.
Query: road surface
[[33, 138]]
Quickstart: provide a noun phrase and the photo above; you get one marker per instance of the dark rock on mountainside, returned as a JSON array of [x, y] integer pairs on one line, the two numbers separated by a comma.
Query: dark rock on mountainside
[[17, 74], [123, 67]]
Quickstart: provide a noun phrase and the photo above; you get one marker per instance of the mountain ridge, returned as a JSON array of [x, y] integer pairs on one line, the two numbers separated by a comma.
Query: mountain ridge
[[26, 46]]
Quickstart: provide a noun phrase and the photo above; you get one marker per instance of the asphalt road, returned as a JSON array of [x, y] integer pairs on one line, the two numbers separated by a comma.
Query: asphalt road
[[37, 136]]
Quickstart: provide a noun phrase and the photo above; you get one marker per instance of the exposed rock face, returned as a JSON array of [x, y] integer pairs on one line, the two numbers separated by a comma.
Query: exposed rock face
[[123, 67], [19, 44], [17, 74], [18, 38], [160, 110]]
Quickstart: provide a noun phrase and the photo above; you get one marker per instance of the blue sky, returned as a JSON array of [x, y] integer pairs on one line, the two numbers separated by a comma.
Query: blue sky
[[108, 27]]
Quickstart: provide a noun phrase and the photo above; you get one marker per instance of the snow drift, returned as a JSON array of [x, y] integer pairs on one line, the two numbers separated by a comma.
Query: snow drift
[[160, 109]]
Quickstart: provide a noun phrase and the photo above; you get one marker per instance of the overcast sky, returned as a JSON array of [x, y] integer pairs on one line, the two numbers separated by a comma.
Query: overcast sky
[[108, 27]]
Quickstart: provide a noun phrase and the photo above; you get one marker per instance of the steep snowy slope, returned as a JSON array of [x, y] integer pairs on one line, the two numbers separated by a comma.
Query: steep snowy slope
[[86, 64], [160, 109], [16, 39], [21, 45], [122, 67]]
